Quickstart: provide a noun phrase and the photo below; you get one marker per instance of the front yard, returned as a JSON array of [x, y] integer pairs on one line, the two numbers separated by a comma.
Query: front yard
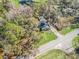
[[46, 36]]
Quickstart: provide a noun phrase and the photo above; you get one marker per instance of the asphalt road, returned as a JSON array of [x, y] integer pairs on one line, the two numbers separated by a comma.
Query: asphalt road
[[63, 43]]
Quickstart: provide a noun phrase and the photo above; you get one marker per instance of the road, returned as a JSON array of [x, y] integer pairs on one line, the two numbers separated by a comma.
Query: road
[[63, 43]]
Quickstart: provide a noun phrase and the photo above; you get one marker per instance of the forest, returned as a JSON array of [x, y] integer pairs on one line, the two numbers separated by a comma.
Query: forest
[[25, 25]]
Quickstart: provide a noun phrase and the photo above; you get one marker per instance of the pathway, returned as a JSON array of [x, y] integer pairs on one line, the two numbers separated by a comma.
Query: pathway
[[55, 32]]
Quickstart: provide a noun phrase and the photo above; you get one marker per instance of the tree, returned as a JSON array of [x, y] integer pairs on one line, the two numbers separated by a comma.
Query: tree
[[13, 32], [1, 53], [75, 42], [18, 32], [6, 4]]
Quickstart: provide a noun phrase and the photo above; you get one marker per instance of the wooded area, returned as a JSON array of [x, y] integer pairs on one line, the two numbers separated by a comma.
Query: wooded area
[[19, 22]]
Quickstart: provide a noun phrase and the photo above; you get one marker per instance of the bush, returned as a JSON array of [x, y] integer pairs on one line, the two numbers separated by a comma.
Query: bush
[[13, 32], [75, 26], [75, 42]]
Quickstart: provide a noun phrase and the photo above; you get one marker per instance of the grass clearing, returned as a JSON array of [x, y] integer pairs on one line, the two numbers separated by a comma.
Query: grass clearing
[[46, 36], [53, 54], [64, 31], [15, 2]]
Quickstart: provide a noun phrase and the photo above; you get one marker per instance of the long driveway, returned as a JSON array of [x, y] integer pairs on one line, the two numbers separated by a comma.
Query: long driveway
[[63, 43]]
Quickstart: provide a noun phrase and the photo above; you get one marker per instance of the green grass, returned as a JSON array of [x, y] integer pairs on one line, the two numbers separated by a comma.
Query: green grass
[[75, 42], [15, 2], [53, 54], [45, 37], [64, 31]]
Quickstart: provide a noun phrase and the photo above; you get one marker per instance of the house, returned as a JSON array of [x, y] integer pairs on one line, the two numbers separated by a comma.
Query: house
[[22, 2], [25, 1], [43, 25]]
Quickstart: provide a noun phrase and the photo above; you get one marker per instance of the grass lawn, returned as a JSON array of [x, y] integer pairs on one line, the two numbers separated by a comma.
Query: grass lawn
[[75, 42], [15, 2], [46, 36], [64, 31], [53, 54]]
